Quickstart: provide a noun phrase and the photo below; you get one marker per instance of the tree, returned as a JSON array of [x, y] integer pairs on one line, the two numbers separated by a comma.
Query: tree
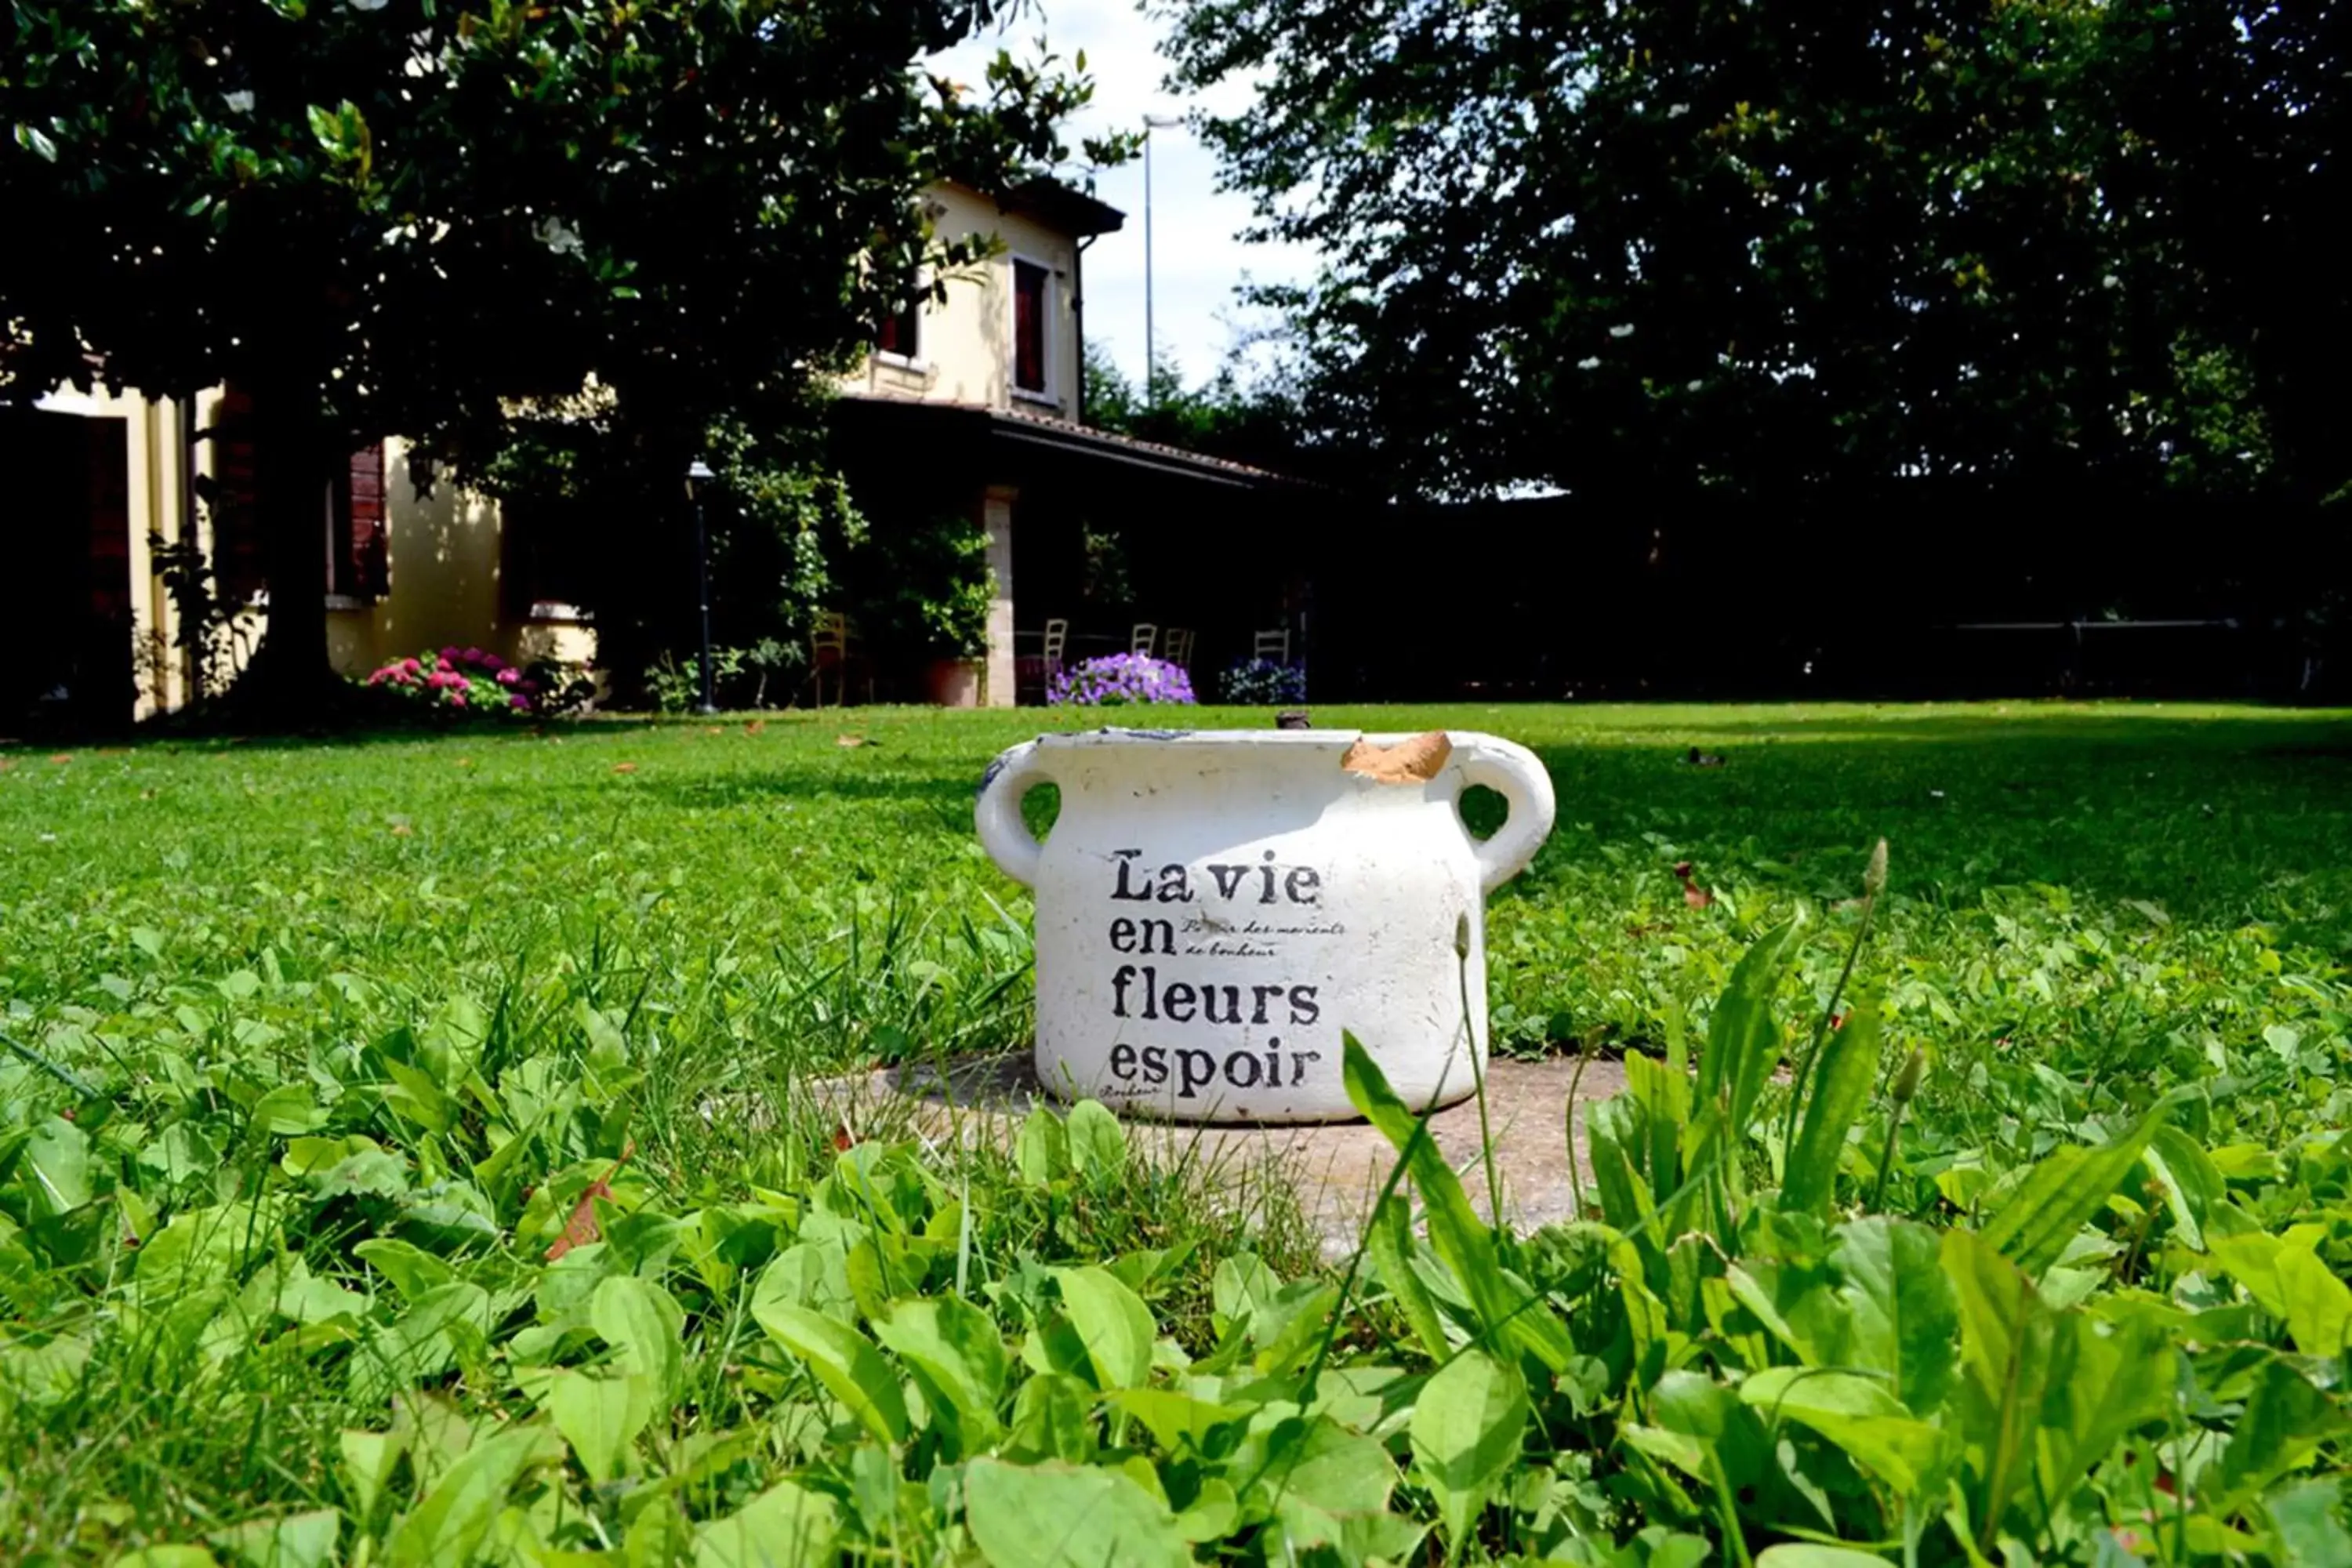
[[402, 217], [576, 479], [1722, 246], [2244, 112], [1255, 422]]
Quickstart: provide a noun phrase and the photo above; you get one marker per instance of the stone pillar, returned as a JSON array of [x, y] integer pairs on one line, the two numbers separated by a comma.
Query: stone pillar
[[996, 516], [154, 487]]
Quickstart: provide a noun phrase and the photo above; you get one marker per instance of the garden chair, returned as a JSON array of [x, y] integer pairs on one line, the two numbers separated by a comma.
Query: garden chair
[[1143, 639], [1273, 644], [1032, 673], [1176, 647]]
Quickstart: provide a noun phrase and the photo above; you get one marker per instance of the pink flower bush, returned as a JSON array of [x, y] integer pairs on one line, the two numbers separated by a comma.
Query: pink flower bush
[[460, 680]]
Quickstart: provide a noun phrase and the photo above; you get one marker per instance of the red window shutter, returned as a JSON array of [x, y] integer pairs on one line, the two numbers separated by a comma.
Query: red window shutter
[[232, 499], [364, 519], [1028, 326], [901, 331]]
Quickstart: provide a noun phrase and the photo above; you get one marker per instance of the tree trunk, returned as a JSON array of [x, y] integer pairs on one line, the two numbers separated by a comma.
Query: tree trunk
[[296, 453]]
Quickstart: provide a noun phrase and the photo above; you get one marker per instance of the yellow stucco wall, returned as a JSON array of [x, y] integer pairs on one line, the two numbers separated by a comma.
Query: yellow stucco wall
[[444, 550], [443, 568], [155, 490], [967, 342]]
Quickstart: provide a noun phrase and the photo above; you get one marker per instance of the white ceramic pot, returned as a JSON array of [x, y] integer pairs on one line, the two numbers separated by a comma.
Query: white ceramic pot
[[1214, 907]]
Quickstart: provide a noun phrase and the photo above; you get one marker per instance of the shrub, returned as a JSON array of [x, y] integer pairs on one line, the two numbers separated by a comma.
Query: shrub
[[460, 680], [1119, 679], [1262, 683], [741, 677], [563, 685]]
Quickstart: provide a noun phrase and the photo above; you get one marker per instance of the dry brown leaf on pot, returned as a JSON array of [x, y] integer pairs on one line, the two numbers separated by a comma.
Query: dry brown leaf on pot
[[1416, 759]]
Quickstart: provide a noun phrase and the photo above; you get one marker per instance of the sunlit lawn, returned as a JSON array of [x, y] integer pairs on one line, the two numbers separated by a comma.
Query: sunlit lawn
[[775, 890]]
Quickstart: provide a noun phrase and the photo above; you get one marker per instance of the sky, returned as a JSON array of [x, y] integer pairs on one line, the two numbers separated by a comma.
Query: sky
[[1197, 261]]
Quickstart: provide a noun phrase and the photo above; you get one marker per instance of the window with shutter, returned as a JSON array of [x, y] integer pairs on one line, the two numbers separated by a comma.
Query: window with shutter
[[900, 333], [230, 499], [543, 575], [1031, 333], [358, 559]]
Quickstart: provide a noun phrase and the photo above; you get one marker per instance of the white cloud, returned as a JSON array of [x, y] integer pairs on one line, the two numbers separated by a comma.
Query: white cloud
[[1198, 261]]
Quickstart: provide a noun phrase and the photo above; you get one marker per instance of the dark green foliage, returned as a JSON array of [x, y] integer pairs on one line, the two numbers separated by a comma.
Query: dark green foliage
[[574, 483], [1654, 249], [400, 218], [1230, 416], [924, 587]]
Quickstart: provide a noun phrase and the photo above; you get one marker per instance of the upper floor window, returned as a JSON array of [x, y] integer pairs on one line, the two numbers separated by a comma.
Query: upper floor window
[[900, 333], [1032, 327]]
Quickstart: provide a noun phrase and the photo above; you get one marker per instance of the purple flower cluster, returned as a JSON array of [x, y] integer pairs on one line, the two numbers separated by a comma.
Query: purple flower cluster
[[1119, 679], [460, 679]]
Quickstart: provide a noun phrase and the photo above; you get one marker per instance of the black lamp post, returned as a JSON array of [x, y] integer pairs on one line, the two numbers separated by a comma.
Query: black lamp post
[[697, 474]]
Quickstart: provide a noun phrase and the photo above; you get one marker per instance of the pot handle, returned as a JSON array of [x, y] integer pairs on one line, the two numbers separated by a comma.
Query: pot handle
[[1017, 771], [1512, 771]]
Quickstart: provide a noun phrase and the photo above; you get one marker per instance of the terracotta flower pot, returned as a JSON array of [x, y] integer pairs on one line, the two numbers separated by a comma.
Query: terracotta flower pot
[[953, 682]]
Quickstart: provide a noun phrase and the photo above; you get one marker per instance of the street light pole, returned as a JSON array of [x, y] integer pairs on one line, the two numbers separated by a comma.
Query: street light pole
[[697, 474], [1151, 335]]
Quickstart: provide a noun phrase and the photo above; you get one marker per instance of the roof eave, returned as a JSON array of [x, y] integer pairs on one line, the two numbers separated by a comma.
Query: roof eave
[[1065, 207]]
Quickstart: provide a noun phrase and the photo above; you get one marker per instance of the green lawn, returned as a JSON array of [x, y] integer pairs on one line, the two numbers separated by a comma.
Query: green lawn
[[783, 897], [379, 1012]]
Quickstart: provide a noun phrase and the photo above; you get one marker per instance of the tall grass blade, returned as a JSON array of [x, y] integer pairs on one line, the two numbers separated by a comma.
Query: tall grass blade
[[1849, 1064], [1506, 1307]]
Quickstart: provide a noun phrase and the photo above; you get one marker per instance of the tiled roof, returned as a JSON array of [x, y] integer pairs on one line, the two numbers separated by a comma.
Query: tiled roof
[[1079, 434], [1025, 425]]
